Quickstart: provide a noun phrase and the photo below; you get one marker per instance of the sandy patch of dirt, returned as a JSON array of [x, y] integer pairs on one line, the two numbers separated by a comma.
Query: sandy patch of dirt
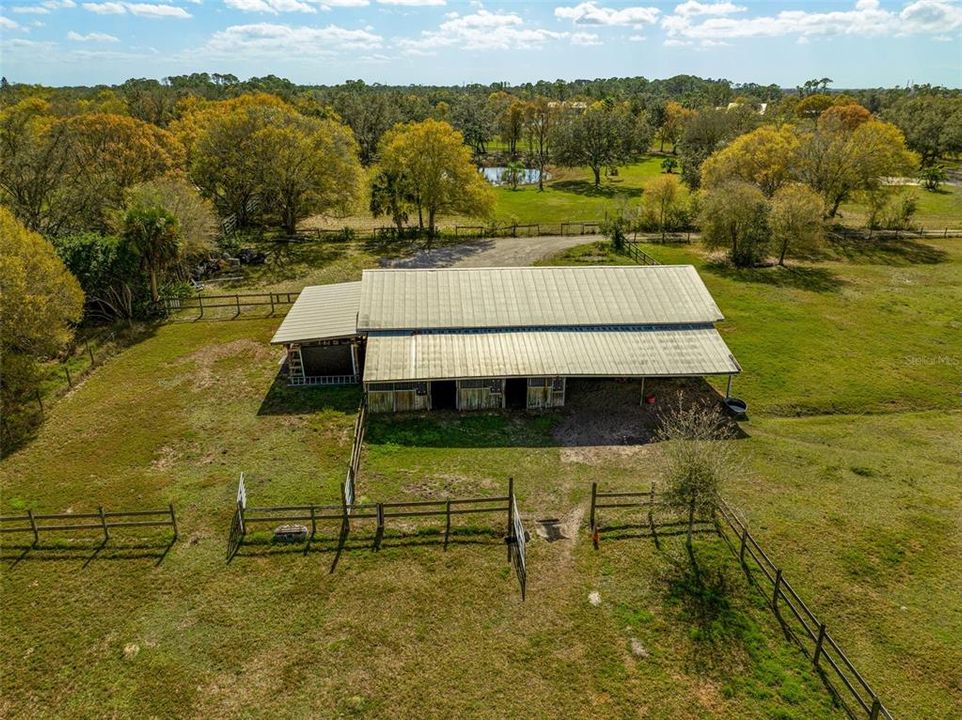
[[206, 374]]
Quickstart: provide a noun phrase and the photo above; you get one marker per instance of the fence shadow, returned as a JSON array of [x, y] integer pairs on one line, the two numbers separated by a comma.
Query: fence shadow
[[96, 550]]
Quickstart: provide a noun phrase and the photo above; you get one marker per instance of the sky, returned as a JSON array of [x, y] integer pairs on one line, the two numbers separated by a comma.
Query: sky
[[856, 43]]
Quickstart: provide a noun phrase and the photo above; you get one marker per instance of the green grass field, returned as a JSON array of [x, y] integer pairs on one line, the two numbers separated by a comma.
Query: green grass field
[[852, 482]]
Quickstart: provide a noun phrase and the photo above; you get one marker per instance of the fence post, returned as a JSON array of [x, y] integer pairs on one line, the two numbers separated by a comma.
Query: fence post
[[876, 709], [272, 303], [313, 523], [591, 519], [778, 584], [200, 303], [379, 533], [33, 526], [240, 516], [510, 518], [103, 521], [651, 517], [447, 524], [173, 520], [818, 643], [89, 352], [741, 552], [66, 371], [237, 300]]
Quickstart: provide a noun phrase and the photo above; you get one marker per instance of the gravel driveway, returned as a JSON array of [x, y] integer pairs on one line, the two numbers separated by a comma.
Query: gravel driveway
[[499, 252]]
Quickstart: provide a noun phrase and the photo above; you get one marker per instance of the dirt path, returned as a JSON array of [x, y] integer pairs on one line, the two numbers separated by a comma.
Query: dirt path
[[500, 252]]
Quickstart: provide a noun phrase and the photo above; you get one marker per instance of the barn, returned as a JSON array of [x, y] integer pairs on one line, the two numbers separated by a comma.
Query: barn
[[480, 338]]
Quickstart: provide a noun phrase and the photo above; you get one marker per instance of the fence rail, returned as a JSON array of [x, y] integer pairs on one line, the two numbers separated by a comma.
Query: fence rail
[[809, 632], [37, 523], [360, 429], [247, 518], [623, 501], [235, 301], [634, 251]]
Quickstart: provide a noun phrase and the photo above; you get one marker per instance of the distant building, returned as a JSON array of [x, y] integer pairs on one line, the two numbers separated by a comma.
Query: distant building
[[502, 337]]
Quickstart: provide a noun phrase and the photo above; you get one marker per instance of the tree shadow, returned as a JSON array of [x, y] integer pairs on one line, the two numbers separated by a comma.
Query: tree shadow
[[885, 250], [587, 188], [282, 399], [813, 279]]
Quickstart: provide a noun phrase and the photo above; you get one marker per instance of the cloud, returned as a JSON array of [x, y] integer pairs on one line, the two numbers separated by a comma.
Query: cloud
[[589, 13], [584, 38], [692, 8], [269, 6], [267, 39], [45, 7], [865, 19], [140, 9], [91, 37], [483, 30], [8, 24], [413, 3]]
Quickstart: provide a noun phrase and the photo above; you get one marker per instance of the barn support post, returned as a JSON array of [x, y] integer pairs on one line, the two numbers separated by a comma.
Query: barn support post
[[642, 391], [728, 390]]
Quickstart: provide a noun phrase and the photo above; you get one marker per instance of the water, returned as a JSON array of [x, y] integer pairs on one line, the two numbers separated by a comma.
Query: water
[[529, 176]]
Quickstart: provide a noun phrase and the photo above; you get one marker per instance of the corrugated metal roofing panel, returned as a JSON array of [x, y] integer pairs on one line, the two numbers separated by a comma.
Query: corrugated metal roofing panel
[[533, 296], [585, 351], [321, 312]]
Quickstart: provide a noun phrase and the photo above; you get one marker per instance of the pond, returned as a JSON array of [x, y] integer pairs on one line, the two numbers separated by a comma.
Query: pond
[[495, 175]]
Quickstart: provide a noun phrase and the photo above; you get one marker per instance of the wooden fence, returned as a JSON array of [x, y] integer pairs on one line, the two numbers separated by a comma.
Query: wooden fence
[[105, 521], [235, 301], [634, 251], [855, 694], [360, 429], [647, 501], [246, 519]]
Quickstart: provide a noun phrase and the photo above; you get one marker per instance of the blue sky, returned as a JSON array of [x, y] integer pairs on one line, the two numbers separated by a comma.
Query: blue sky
[[858, 43]]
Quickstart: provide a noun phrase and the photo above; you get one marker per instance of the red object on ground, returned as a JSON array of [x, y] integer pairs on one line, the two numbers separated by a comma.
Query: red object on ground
[[650, 399]]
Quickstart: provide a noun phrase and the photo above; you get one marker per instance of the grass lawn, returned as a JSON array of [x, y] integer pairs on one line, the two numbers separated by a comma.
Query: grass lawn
[[853, 449]]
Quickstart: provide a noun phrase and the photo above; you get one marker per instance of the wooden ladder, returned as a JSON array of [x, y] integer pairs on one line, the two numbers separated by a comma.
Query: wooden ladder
[[295, 366]]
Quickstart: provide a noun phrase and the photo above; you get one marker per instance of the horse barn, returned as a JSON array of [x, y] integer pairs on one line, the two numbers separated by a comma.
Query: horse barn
[[476, 338]]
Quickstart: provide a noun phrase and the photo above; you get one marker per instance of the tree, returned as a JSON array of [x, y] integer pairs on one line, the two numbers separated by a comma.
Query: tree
[[474, 116], [932, 125], [796, 220], [313, 167], [708, 131], [61, 174], [511, 125], [109, 272], [540, 119], [39, 302], [195, 216], [698, 460], [390, 196], [662, 201], [152, 234], [734, 216], [765, 157], [669, 165], [370, 115], [433, 165], [838, 160], [673, 120], [931, 177], [602, 136]]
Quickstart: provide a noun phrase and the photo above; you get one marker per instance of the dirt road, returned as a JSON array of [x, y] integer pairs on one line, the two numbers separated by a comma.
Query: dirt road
[[500, 252]]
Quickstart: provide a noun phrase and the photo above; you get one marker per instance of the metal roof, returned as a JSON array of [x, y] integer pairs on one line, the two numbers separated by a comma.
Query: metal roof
[[397, 299], [321, 312], [586, 351]]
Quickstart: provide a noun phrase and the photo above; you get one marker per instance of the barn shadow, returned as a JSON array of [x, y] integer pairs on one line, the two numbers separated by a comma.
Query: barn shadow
[[597, 412], [282, 399]]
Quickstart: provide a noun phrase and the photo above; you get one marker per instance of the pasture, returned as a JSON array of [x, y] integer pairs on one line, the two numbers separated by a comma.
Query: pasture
[[853, 448]]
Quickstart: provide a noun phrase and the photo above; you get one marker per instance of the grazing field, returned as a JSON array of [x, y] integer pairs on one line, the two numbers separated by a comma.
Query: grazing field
[[852, 482], [570, 195]]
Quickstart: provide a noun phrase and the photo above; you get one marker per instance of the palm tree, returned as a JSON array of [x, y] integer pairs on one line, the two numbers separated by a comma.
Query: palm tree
[[153, 235]]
